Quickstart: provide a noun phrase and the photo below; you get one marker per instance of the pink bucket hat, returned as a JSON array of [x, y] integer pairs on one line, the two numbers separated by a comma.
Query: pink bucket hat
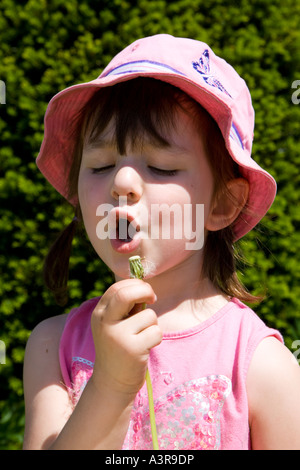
[[194, 68]]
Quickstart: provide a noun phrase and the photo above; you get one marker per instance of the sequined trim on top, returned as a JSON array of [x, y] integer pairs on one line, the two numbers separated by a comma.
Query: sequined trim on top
[[187, 417]]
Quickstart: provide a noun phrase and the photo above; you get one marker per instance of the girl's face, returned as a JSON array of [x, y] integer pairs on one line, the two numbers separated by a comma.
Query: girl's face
[[139, 203]]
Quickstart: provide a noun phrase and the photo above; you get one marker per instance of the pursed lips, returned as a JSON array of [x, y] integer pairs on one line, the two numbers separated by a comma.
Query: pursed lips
[[123, 225]]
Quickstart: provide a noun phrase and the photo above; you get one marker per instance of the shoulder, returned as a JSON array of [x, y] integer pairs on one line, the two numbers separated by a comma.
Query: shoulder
[[41, 354], [46, 335], [42, 349], [46, 399], [41, 362], [47, 402], [273, 384], [250, 329]]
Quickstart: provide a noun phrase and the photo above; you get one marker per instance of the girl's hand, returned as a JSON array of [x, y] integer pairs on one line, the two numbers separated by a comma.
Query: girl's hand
[[123, 335]]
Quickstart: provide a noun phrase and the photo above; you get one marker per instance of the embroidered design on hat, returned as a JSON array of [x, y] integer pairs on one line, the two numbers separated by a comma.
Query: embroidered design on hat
[[203, 67]]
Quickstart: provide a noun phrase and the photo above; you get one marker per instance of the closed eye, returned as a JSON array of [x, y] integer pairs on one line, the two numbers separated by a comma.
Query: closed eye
[[161, 171], [102, 169]]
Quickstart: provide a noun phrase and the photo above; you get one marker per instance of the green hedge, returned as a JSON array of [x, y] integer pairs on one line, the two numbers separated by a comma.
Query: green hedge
[[48, 45]]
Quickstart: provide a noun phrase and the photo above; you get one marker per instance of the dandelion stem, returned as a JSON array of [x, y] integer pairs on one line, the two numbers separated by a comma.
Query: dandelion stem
[[137, 271]]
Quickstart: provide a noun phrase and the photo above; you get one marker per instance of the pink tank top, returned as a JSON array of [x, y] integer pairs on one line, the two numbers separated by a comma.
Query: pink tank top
[[198, 378]]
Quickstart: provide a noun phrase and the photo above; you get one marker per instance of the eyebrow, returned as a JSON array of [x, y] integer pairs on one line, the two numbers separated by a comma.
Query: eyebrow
[[99, 142], [103, 142]]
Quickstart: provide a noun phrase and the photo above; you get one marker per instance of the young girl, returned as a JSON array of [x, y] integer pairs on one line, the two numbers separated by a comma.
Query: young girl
[[168, 124]]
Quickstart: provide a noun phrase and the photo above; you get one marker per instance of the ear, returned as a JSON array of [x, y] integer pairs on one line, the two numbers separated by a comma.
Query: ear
[[228, 204]]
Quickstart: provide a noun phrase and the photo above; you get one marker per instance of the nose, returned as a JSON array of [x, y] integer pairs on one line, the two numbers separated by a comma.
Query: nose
[[127, 183]]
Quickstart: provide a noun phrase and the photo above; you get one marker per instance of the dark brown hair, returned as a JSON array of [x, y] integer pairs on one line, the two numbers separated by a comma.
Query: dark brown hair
[[147, 107]]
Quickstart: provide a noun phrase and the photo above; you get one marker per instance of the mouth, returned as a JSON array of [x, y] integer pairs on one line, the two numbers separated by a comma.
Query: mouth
[[123, 230], [124, 236], [126, 227]]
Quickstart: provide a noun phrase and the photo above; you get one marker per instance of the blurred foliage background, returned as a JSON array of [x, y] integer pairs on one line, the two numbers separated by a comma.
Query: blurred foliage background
[[47, 45]]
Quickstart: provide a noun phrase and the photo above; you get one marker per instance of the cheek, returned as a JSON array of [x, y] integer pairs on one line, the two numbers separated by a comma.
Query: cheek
[[90, 191], [199, 192], [84, 190], [172, 194], [203, 188], [89, 200], [89, 195]]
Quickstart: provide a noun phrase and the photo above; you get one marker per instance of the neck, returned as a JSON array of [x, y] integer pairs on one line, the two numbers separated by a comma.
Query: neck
[[184, 298]]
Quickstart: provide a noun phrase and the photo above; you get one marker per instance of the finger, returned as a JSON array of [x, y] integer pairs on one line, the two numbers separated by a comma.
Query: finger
[[121, 297], [140, 321], [149, 337]]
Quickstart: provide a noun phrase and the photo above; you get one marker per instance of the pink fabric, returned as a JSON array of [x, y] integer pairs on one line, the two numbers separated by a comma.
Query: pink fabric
[[198, 378]]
